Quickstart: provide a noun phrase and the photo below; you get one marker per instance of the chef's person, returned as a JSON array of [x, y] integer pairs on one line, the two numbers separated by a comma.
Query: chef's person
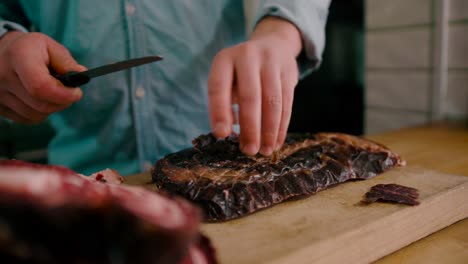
[[127, 120]]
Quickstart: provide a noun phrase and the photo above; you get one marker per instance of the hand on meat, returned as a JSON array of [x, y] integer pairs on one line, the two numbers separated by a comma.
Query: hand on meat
[[260, 76]]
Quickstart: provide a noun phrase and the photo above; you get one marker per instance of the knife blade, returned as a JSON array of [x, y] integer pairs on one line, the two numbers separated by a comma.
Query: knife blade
[[75, 79]]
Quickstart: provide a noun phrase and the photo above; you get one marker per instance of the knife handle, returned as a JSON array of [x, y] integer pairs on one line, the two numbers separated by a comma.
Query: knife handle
[[72, 79]]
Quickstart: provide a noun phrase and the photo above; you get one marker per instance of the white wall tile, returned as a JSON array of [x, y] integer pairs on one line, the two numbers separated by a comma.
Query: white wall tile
[[458, 9], [386, 13], [398, 49], [456, 104], [381, 120], [458, 46], [398, 90]]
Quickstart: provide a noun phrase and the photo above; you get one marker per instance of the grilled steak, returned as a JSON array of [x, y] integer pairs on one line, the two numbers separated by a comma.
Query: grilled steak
[[227, 184], [392, 193], [50, 214]]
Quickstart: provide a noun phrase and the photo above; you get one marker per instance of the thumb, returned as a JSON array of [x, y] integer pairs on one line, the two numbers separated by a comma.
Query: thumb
[[60, 59]]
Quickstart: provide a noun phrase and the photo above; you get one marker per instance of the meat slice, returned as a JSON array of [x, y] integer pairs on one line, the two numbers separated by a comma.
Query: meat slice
[[107, 176], [50, 214], [228, 184], [392, 193]]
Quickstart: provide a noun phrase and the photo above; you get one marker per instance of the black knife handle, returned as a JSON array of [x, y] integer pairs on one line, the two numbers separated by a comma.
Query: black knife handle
[[72, 79]]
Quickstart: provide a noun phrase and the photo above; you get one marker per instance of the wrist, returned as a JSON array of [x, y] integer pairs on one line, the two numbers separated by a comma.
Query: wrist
[[280, 30], [10, 36]]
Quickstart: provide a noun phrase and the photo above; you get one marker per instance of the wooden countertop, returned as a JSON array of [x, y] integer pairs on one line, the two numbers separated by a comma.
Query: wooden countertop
[[440, 147]]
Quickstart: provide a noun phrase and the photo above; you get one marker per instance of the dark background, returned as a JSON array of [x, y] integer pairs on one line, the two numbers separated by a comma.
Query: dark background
[[330, 99]]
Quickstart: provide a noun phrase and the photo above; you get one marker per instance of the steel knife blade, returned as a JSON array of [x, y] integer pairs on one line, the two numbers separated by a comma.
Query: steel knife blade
[[75, 79]]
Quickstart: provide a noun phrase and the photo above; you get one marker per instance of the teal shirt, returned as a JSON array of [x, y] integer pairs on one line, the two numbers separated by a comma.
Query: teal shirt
[[130, 119]]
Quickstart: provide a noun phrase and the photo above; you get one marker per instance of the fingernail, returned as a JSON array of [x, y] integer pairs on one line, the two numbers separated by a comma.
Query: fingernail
[[220, 128], [82, 68], [250, 149], [266, 151], [77, 93]]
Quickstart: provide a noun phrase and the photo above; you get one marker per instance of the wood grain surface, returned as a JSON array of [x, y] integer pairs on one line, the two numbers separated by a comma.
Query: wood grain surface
[[307, 230], [333, 227], [444, 148]]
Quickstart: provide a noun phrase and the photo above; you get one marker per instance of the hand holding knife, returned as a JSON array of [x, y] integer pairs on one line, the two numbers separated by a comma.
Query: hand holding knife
[[75, 79]]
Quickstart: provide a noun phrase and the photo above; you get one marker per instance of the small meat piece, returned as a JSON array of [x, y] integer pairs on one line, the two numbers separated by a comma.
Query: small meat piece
[[107, 176], [392, 193], [228, 184], [50, 214]]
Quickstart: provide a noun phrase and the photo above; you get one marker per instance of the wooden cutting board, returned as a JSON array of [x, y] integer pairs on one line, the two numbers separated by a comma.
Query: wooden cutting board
[[333, 227]]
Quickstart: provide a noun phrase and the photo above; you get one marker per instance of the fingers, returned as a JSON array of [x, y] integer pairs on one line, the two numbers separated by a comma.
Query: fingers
[[272, 105], [60, 58], [249, 100], [21, 109], [289, 80], [38, 105], [220, 84], [28, 91], [262, 83], [13, 116], [277, 92], [35, 76]]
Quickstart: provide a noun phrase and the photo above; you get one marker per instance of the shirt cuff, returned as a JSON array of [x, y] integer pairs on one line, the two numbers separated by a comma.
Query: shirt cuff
[[6, 26], [4, 120], [310, 18]]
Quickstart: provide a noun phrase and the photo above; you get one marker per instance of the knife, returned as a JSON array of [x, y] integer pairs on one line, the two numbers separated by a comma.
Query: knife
[[75, 79]]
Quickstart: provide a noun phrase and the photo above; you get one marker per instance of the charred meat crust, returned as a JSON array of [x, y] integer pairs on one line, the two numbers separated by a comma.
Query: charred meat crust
[[82, 234], [392, 193], [50, 214], [228, 184]]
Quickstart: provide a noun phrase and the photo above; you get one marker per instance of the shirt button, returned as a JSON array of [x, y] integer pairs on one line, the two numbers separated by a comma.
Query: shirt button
[[129, 8], [147, 166], [140, 92]]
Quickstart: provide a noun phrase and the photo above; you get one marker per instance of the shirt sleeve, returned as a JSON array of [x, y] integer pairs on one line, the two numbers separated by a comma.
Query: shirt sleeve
[[310, 17], [6, 26]]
